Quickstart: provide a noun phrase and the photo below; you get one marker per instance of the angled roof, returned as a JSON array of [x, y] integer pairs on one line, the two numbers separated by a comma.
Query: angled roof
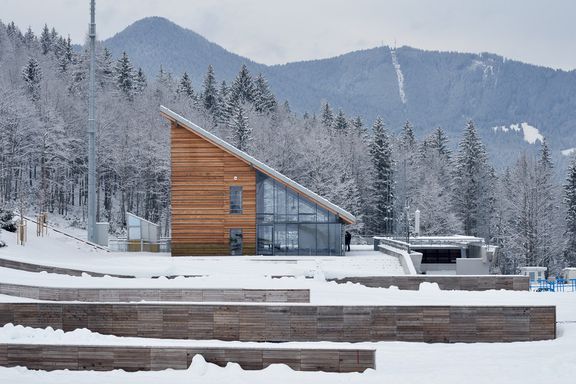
[[174, 117]]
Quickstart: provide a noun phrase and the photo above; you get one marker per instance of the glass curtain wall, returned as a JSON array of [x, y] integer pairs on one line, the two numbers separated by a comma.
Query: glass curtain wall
[[288, 223]]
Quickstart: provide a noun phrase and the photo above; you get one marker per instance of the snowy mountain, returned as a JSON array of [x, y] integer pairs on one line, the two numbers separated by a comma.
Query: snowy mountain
[[428, 88]]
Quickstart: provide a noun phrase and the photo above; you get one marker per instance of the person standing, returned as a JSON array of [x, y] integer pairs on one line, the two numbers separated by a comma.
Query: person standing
[[347, 240]]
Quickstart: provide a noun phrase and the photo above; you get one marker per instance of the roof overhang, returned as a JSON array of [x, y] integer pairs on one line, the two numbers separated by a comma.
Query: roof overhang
[[178, 119]]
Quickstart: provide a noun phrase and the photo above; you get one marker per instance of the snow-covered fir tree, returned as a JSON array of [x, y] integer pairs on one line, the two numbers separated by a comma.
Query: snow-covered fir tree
[[241, 133], [185, 87], [340, 124], [381, 217], [264, 100], [32, 75], [570, 203], [242, 88], [45, 40], [124, 73], [327, 116], [473, 181], [210, 92]]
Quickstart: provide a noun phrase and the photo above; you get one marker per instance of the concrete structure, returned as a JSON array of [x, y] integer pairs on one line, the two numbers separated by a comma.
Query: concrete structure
[[225, 202], [444, 255]]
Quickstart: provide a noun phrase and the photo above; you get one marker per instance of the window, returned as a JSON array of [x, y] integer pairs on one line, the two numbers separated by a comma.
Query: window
[[236, 199]]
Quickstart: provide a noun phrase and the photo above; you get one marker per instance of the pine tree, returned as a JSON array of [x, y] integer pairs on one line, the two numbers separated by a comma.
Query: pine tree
[[264, 100], [341, 123], [381, 218], [240, 128], [408, 139], [45, 40], [242, 89], [327, 117], [222, 113], [185, 87], [65, 53], [359, 128], [473, 179], [209, 92], [29, 38], [125, 76], [570, 203], [140, 82], [106, 67], [439, 141], [32, 75]]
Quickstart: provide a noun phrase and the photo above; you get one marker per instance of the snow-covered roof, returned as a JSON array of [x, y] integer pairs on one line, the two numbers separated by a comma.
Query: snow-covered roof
[[174, 117]]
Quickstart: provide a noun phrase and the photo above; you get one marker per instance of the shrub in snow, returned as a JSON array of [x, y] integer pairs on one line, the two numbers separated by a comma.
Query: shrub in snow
[[7, 220]]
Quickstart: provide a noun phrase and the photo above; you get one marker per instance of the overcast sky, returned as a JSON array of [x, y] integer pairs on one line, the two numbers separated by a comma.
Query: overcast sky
[[541, 32]]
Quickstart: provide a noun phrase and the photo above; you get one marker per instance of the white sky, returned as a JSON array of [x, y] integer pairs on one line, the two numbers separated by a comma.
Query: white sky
[[541, 32]]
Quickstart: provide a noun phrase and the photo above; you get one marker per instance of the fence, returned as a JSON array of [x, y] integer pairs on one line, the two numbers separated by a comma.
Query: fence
[[558, 285]]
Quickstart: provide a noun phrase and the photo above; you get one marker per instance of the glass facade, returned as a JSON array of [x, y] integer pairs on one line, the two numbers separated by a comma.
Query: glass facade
[[288, 223]]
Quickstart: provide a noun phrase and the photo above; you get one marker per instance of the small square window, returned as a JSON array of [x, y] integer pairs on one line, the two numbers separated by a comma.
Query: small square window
[[236, 199]]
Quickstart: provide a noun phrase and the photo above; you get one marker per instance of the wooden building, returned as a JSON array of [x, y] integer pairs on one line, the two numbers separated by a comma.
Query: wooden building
[[225, 202]]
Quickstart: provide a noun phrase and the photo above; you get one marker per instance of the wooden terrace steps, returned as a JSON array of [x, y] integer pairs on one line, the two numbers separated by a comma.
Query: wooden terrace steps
[[462, 282], [292, 322], [156, 294], [153, 358]]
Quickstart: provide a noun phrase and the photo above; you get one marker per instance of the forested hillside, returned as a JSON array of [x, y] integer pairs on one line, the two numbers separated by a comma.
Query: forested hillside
[[428, 88], [362, 165]]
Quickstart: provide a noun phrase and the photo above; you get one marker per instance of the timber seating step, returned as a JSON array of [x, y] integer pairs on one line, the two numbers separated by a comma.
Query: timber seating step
[[50, 357], [293, 322], [156, 294]]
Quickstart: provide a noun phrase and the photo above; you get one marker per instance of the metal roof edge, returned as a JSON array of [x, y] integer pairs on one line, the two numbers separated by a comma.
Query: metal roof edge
[[173, 116]]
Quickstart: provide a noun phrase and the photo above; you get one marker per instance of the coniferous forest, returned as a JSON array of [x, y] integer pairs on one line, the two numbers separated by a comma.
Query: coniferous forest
[[380, 173]]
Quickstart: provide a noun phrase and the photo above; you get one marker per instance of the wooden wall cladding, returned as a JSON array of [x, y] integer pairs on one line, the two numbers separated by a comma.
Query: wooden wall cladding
[[202, 174], [463, 283], [281, 323], [148, 294], [107, 358]]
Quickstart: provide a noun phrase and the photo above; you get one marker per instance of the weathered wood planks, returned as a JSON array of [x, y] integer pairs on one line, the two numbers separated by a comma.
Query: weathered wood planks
[[136, 358], [463, 283], [157, 294], [202, 174], [281, 323]]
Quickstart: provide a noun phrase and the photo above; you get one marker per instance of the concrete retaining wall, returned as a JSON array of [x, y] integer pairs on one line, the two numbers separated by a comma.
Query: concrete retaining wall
[[464, 283], [157, 294], [280, 323], [106, 358]]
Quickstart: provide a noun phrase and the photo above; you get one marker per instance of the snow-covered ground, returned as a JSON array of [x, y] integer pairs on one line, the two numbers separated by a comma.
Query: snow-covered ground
[[396, 362], [61, 251]]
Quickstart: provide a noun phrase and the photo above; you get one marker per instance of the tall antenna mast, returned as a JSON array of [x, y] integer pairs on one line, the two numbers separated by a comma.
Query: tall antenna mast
[[92, 129]]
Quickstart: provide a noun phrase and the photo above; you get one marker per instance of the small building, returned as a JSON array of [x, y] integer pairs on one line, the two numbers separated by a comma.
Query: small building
[[569, 273], [225, 202], [535, 273]]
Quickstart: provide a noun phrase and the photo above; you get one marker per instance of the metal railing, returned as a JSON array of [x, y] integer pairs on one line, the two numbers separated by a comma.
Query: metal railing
[[558, 285]]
